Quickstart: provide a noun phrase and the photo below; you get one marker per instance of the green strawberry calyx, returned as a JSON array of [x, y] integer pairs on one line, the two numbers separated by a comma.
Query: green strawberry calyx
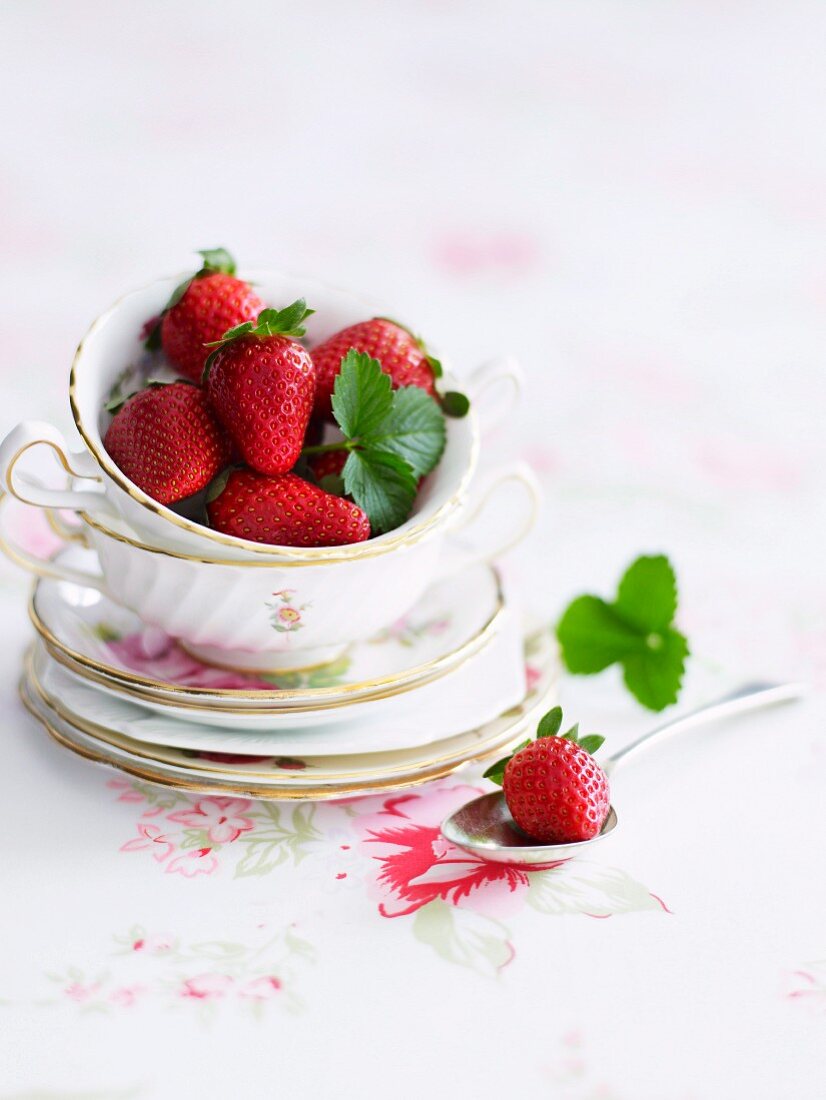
[[216, 261], [270, 322], [549, 726], [453, 402]]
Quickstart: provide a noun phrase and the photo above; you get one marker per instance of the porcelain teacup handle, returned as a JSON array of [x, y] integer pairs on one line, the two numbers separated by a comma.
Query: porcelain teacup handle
[[43, 567], [30, 489], [518, 476], [493, 389]]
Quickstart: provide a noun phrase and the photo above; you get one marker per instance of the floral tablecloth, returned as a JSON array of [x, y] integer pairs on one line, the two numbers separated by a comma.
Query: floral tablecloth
[[628, 197]]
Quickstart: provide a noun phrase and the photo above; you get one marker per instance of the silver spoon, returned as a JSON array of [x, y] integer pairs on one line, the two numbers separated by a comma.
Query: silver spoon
[[484, 827]]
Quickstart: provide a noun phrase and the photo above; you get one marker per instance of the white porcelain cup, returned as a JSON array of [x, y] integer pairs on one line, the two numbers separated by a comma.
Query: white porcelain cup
[[264, 614], [100, 489], [236, 602]]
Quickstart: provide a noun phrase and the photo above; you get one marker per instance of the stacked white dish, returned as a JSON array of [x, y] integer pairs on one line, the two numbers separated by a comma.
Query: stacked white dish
[[197, 660]]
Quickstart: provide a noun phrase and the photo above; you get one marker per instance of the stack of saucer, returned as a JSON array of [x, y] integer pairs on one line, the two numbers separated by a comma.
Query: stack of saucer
[[198, 660], [455, 681]]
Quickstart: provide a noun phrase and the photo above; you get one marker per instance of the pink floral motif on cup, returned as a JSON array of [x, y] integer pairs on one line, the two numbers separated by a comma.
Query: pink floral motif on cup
[[285, 617]]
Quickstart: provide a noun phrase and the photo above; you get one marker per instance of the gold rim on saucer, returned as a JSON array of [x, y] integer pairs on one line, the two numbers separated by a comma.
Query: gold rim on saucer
[[296, 700], [268, 792], [143, 749]]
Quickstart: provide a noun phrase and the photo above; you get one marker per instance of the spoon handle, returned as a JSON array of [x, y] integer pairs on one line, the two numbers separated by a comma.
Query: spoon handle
[[745, 698]]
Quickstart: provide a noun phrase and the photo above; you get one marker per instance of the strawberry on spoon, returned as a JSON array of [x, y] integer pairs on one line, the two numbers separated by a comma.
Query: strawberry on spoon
[[485, 826], [555, 790], [201, 310], [261, 383]]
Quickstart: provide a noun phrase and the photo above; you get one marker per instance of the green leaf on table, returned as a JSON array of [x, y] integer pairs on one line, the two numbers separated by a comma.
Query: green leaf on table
[[647, 593], [654, 674], [382, 484], [593, 636], [635, 631]]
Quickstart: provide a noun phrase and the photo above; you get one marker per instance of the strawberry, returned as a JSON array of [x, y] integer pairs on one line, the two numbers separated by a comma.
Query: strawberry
[[328, 464], [283, 511], [401, 354], [261, 384], [555, 790], [167, 440], [201, 310]]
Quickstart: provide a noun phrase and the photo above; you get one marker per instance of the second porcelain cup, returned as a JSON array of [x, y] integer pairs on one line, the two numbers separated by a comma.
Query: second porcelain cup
[[263, 614]]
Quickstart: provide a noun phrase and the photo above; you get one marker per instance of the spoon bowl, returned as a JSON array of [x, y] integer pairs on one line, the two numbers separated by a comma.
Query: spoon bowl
[[485, 828]]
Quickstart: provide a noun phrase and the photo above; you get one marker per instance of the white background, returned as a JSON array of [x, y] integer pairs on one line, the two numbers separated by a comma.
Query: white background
[[629, 197]]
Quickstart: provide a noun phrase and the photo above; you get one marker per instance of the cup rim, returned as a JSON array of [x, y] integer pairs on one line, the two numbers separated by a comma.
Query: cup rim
[[404, 535], [252, 562]]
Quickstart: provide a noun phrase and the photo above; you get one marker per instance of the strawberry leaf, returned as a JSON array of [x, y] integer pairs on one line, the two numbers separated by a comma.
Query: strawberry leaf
[[218, 484], [593, 636], [634, 631], [362, 396], [647, 594], [572, 734], [333, 484], [283, 322], [413, 428], [383, 485], [654, 674], [496, 772], [455, 404], [216, 260], [591, 742], [550, 724]]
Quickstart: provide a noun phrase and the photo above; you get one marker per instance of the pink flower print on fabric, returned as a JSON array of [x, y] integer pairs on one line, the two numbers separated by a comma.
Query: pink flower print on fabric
[[220, 817], [150, 836], [413, 864], [261, 989], [207, 987]]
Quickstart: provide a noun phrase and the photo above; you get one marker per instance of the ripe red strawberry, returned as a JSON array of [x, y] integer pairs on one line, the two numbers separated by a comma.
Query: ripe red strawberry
[[284, 511], [261, 384], [201, 310], [167, 440], [400, 353], [329, 464], [555, 790]]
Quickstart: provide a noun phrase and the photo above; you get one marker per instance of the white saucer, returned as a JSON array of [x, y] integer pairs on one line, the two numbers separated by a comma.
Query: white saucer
[[109, 646], [477, 691], [308, 776]]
